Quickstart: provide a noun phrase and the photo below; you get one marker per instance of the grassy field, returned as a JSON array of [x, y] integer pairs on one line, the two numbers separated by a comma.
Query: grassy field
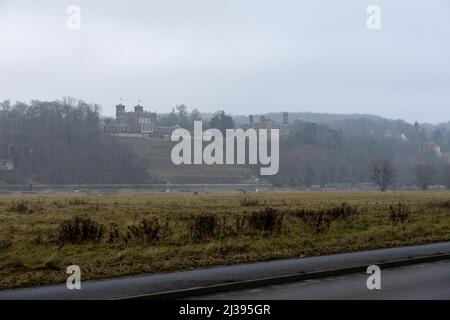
[[116, 235]]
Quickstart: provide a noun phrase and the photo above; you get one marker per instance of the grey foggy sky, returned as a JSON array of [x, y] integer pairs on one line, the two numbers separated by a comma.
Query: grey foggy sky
[[243, 56]]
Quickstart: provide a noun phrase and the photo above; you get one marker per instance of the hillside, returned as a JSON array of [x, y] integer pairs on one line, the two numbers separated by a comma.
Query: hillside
[[63, 143], [154, 155]]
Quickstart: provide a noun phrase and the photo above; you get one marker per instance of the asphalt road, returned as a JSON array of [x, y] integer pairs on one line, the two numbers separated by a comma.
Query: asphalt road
[[145, 284], [424, 281]]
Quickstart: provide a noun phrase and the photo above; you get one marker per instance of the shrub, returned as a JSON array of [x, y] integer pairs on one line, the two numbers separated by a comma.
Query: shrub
[[399, 213], [79, 230], [134, 232], [21, 207], [203, 226], [344, 211], [149, 230], [114, 233], [321, 220], [239, 222], [317, 221], [268, 220]]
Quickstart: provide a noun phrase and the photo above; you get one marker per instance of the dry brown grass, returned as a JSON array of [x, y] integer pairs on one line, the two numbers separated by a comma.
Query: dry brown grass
[[31, 254]]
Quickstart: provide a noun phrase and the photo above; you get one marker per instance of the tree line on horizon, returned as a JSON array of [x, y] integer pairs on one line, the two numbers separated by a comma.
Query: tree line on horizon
[[390, 154], [62, 142]]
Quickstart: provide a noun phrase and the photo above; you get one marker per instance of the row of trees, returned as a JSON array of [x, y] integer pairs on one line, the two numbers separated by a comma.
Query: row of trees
[[345, 151], [383, 175], [341, 151], [180, 116], [61, 142]]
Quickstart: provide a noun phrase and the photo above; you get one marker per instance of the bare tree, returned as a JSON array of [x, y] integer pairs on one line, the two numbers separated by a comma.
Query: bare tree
[[382, 173], [424, 174]]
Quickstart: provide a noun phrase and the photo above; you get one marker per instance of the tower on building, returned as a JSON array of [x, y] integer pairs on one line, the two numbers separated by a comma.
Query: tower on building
[[138, 109], [120, 109]]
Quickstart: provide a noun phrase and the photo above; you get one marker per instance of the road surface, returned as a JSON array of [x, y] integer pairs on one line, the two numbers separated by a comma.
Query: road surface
[[424, 281], [155, 283]]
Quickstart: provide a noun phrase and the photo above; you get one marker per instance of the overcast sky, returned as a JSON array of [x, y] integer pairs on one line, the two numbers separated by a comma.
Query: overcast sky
[[243, 56]]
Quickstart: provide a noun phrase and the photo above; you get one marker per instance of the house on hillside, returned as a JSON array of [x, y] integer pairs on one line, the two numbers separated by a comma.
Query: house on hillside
[[434, 148]]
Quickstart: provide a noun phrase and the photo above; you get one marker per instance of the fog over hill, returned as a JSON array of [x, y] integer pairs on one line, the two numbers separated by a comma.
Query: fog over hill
[[309, 117], [326, 118], [68, 141]]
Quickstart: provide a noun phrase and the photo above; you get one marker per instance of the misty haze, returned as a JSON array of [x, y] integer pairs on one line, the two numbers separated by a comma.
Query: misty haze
[[224, 150]]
